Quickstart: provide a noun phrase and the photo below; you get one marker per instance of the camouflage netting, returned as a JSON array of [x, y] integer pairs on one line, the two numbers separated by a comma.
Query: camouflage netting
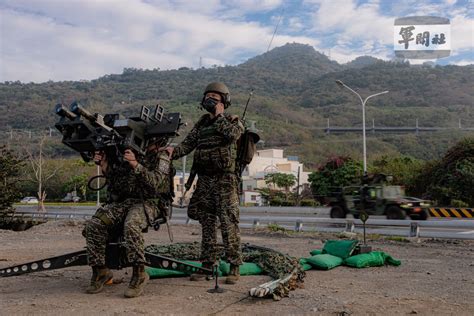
[[283, 268]]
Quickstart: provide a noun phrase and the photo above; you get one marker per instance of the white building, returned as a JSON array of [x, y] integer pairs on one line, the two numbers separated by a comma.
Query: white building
[[264, 162], [178, 184], [269, 161]]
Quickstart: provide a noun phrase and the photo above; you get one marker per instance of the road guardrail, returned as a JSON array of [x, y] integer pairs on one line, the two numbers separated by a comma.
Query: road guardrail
[[407, 228]]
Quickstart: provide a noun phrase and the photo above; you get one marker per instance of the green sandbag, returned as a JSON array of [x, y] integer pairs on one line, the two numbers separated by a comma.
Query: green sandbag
[[371, 259], [340, 248], [315, 252], [247, 268], [324, 261], [157, 273], [305, 265]]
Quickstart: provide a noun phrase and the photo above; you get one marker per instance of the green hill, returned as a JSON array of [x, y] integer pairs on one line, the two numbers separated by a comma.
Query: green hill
[[295, 95]]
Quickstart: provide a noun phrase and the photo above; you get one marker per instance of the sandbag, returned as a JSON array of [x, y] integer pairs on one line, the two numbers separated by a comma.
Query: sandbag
[[305, 265], [340, 248], [247, 268], [157, 273], [315, 252], [324, 261], [371, 259]]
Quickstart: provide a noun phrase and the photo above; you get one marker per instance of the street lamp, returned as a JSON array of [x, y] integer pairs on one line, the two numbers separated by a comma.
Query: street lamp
[[342, 84]]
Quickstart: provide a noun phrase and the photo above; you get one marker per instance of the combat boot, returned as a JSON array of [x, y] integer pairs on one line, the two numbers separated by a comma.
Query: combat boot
[[234, 275], [200, 276], [100, 276], [138, 281]]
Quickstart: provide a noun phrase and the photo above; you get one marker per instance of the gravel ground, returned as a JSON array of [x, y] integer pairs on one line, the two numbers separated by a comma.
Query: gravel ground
[[435, 278]]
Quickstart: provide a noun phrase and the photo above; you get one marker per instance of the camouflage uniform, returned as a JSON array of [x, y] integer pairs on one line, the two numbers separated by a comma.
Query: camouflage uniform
[[131, 193], [216, 195]]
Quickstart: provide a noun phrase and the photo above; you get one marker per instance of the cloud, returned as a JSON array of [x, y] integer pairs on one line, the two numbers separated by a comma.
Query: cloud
[[87, 38], [254, 5], [352, 29], [353, 23], [464, 62], [462, 33], [295, 24]]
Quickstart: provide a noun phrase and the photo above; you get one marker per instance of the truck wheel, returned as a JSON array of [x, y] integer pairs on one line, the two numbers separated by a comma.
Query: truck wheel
[[422, 216], [337, 212], [394, 212]]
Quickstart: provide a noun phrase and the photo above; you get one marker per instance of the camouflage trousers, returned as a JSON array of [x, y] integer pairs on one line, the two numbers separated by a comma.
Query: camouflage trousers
[[127, 218], [216, 198]]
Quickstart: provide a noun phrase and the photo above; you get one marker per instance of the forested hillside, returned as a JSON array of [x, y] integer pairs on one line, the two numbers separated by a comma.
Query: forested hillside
[[294, 96]]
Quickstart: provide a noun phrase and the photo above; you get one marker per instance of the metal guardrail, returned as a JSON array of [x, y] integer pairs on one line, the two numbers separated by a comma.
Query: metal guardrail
[[406, 228]]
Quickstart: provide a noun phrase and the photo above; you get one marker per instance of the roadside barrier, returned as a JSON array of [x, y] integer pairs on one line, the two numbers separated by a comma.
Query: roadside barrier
[[406, 228], [452, 212]]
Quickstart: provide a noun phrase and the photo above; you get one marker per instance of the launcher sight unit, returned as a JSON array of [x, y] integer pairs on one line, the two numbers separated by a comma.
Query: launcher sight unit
[[87, 133]]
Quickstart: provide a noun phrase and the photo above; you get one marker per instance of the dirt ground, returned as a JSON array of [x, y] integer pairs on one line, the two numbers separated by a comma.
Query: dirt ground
[[435, 278]]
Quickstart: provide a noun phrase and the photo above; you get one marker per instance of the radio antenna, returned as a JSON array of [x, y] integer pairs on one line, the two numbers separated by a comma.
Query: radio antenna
[[276, 28]]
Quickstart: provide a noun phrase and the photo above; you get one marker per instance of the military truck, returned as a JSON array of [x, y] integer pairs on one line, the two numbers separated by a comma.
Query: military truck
[[375, 199]]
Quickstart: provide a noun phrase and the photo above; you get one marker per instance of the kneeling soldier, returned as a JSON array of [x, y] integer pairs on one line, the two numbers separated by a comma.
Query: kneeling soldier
[[132, 205]]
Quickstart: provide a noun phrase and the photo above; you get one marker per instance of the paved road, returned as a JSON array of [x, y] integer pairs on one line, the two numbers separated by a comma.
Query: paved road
[[312, 219]]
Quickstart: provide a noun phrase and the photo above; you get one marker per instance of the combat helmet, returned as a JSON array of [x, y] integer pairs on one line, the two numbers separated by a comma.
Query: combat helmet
[[221, 88]]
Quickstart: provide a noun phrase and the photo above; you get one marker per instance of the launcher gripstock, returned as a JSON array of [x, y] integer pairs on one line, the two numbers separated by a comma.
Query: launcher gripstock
[[86, 133]]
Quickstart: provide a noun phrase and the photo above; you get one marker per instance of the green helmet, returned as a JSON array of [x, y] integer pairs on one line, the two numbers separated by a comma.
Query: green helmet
[[221, 88]]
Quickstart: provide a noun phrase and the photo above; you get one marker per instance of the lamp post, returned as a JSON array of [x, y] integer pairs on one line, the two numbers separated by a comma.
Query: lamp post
[[342, 84]]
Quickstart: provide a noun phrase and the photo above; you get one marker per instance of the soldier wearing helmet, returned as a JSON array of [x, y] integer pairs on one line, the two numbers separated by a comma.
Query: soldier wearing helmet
[[214, 141]]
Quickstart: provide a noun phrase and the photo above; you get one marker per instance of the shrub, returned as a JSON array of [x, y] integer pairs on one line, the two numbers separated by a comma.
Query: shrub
[[459, 203], [309, 202]]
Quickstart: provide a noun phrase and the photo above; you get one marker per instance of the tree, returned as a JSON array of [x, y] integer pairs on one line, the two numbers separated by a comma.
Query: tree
[[337, 172], [403, 169], [41, 174], [450, 178], [10, 167], [281, 180], [78, 175]]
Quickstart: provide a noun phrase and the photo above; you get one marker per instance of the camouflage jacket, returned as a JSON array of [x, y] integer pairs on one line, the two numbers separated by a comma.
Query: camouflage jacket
[[215, 142], [150, 179]]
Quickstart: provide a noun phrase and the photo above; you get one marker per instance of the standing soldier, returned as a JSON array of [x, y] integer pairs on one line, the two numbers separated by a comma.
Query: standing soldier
[[134, 188], [214, 139]]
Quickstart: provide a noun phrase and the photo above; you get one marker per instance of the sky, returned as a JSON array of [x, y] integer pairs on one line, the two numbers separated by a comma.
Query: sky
[[58, 40]]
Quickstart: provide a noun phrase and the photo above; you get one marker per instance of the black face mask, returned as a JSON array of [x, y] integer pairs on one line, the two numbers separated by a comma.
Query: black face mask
[[209, 105]]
